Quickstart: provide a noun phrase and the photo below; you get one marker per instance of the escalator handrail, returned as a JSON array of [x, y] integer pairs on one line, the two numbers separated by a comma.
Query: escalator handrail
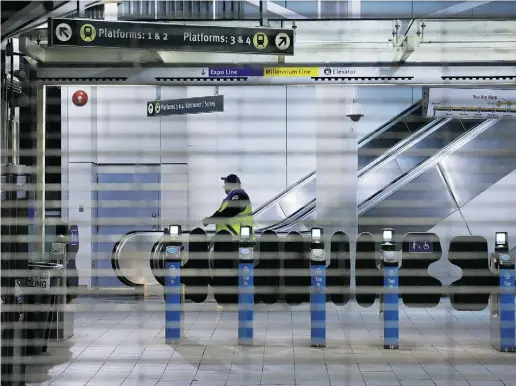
[[386, 126], [390, 123], [309, 208], [384, 159], [398, 149], [425, 165]]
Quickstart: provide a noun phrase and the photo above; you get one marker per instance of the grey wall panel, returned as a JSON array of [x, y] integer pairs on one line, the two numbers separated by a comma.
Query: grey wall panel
[[301, 132], [252, 139], [173, 129], [124, 133], [381, 104], [79, 124], [80, 213], [174, 194]]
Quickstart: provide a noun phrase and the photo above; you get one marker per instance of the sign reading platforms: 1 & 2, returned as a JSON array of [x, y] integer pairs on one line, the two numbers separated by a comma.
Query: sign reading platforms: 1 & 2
[[165, 36]]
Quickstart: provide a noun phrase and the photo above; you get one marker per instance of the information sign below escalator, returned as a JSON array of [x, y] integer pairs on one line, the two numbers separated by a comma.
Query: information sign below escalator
[[166, 36]]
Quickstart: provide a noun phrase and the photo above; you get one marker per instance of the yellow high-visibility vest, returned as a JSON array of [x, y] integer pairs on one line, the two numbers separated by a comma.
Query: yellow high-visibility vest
[[244, 218]]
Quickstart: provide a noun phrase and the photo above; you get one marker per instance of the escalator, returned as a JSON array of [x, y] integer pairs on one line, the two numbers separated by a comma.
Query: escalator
[[390, 166], [396, 133], [432, 180], [445, 182]]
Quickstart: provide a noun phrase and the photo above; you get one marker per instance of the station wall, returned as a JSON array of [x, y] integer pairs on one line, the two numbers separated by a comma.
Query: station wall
[[266, 135]]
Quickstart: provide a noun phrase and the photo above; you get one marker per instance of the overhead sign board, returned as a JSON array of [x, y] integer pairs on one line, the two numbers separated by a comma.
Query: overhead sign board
[[166, 36], [234, 72], [472, 103], [199, 105], [291, 71]]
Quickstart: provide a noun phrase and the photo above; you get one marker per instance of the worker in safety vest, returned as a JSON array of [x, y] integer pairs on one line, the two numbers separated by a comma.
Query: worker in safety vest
[[235, 210]]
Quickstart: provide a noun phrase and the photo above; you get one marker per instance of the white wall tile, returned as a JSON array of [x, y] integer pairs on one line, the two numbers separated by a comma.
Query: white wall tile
[[124, 133]]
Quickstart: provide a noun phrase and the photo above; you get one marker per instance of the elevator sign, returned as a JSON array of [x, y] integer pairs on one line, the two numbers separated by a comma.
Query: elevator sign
[[166, 36]]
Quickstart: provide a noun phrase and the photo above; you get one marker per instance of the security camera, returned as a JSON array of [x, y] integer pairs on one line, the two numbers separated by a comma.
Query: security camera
[[355, 112]]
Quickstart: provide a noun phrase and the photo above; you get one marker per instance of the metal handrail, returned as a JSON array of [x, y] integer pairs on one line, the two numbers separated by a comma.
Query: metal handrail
[[425, 165], [368, 138]]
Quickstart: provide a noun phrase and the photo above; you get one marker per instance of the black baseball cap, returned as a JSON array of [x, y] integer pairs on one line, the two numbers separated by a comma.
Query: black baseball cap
[[231, 179]]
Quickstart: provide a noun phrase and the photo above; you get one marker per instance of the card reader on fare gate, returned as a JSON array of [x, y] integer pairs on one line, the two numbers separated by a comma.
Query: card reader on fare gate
[[246, 246], [318, 289], [503, 257], [503, 321], [245, 287], [317, 245], [390, 297], [172, 255], [388, 248]]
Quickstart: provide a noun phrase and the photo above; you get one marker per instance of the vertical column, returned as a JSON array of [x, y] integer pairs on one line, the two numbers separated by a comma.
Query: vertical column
[[336, 164], [40, 168]]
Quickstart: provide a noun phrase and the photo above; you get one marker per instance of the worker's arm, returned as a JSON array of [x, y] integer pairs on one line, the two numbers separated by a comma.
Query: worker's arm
[[236, 206]]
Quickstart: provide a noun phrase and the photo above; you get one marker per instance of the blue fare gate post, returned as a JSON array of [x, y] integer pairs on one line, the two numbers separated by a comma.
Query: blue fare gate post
[[245, 287], [503, 317], [391, 291], [318, 289], [172, 248]]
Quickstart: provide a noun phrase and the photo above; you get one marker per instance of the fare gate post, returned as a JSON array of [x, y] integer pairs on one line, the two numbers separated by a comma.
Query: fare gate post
[[318, 289], [245, 287], [172, 249], [503, 322], [391, 291]]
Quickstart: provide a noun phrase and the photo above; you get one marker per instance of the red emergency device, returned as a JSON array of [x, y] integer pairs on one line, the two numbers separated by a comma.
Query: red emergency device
[[79, 98]]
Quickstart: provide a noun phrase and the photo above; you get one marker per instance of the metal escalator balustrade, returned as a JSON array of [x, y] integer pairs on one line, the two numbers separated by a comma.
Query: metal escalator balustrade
[[446, 182], [296, 197], [392, 165]]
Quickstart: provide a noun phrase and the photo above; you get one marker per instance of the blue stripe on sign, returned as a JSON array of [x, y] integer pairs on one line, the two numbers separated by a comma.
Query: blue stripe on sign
[[234, 72], [245, 302], [391, 306], [318, 305], [172, 301], [507, 309]]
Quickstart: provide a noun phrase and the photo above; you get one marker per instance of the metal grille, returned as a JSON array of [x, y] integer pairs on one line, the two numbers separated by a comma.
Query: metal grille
[[180, 10]]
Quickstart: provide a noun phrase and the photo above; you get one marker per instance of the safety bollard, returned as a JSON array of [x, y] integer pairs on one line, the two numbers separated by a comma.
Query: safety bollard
[[172, 248], [503, 321], [391, 295], [245, 287], [318, 289]]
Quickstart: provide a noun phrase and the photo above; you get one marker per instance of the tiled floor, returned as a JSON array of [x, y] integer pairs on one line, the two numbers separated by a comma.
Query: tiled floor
[[121, 342]]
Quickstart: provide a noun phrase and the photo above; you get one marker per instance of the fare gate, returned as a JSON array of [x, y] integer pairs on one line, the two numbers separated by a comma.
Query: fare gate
[[244, 272]]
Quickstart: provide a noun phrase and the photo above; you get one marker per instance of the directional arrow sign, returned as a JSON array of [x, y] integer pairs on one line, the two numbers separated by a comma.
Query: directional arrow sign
[[167, 36], [63, 32], [282, 41]]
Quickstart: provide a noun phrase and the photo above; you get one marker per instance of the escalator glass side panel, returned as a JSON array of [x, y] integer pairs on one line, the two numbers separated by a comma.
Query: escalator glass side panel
[[196, 275], [472, 291], [376, 180], [367, 275], [416, 207], [482, 162], [430, 145], [379, 145], [419, 289], [267, 272], [338, 273], [225, 272]]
